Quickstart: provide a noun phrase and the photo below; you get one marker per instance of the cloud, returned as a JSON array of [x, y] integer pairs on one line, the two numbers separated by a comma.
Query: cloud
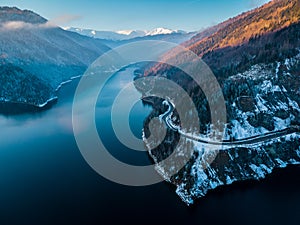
[[64, 19], [58, 21], [15, 25]]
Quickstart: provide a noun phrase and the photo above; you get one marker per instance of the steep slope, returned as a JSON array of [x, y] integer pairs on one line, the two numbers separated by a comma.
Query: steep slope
[[271, 17], [256, 59], [49, 53], [224, 47]]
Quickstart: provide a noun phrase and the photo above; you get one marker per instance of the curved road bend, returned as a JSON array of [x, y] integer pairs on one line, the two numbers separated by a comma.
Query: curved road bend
[[166, 117]]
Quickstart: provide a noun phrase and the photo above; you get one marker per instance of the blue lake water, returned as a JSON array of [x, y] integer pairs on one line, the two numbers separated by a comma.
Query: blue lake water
[[45, 180]]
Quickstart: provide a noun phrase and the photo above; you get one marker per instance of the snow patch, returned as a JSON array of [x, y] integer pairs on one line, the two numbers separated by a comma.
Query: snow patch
[[48, 101], [259, 170]]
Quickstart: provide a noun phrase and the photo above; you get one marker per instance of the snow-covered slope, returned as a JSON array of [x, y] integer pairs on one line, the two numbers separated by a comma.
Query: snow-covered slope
[[258, 68], [262, 132]]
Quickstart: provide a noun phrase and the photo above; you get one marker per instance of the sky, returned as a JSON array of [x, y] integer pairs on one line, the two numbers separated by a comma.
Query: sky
[[189, 15]]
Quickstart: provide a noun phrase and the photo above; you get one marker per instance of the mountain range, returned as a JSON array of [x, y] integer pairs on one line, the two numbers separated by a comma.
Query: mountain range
[[116, 38], [123, 34]]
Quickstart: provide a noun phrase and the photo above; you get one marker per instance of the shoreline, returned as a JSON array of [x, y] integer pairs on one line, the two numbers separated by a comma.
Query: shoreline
[[206, 184], [8, 107]]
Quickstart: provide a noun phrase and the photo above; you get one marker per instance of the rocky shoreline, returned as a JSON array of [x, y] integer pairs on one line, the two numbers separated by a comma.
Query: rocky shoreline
[[231, 165], [259, 101]]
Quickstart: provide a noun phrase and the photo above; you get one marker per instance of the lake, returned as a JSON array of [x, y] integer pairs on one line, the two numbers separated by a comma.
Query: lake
[[45, 180]]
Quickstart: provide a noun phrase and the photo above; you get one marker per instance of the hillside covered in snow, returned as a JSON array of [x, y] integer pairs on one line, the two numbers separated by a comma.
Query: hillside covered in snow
[[256, 60]]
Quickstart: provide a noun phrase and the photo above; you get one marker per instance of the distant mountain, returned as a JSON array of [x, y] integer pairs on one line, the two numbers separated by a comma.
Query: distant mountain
[[107, 35], [117, 38], [256, 60], [123, 34], [160, 30], [38, 54]]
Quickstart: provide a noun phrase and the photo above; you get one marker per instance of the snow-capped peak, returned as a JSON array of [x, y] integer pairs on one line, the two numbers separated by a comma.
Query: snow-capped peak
[[162, 30], [156, 31]]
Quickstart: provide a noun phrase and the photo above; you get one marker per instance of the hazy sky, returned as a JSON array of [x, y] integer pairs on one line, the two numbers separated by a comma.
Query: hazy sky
[[137, 14]]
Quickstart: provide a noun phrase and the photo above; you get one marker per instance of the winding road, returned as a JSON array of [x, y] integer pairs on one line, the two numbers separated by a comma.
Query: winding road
[[166, 117]]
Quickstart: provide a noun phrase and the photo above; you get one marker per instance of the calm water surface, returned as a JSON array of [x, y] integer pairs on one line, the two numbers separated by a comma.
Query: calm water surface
[[45, 180]]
